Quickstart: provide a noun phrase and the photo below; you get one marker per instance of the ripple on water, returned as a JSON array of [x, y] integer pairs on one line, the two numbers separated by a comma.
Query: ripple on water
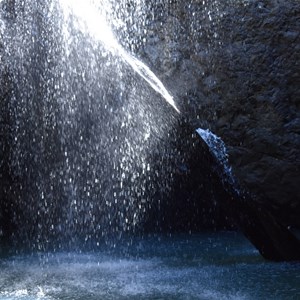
[[180, 267]]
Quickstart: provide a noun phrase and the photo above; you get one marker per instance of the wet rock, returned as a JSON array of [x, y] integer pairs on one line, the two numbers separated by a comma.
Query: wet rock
[[244, 58]]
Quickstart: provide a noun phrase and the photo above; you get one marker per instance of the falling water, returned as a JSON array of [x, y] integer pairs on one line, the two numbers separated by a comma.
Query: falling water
[[84, 122], [91, 19], [89, 121]]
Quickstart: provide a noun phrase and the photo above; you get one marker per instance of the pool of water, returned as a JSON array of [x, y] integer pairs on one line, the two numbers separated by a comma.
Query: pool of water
[[203, 266]]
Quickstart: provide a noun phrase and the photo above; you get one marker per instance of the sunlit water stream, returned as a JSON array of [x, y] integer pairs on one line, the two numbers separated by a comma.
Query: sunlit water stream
[[205, 266]]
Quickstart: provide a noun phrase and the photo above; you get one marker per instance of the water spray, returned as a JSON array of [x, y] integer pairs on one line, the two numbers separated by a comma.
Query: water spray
[[93, 21]]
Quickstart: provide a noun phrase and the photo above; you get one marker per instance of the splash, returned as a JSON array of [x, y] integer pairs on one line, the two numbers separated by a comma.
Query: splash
[[91, 19], [218, 149]]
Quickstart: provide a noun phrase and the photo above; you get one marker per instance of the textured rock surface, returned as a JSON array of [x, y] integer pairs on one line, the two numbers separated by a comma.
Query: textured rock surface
[[234, 68]]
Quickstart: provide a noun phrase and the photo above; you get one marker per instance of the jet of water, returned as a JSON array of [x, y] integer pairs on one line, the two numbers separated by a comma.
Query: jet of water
[[93, 21]]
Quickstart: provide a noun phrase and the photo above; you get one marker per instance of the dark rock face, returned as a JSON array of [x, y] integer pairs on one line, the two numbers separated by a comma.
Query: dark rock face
[[234, 68]]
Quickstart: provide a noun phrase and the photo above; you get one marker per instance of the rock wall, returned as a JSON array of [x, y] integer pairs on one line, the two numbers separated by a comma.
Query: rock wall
[[234, 68]]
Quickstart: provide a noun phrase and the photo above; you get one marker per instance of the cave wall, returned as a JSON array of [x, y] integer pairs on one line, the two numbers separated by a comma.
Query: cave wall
[[234, 68]]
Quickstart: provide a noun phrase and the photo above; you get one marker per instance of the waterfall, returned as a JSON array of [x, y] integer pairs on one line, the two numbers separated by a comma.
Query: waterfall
[[89, 126], [86, 117]]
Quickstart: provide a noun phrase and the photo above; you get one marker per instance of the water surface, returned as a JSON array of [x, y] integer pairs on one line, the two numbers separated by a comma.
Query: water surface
[[202, 266]]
